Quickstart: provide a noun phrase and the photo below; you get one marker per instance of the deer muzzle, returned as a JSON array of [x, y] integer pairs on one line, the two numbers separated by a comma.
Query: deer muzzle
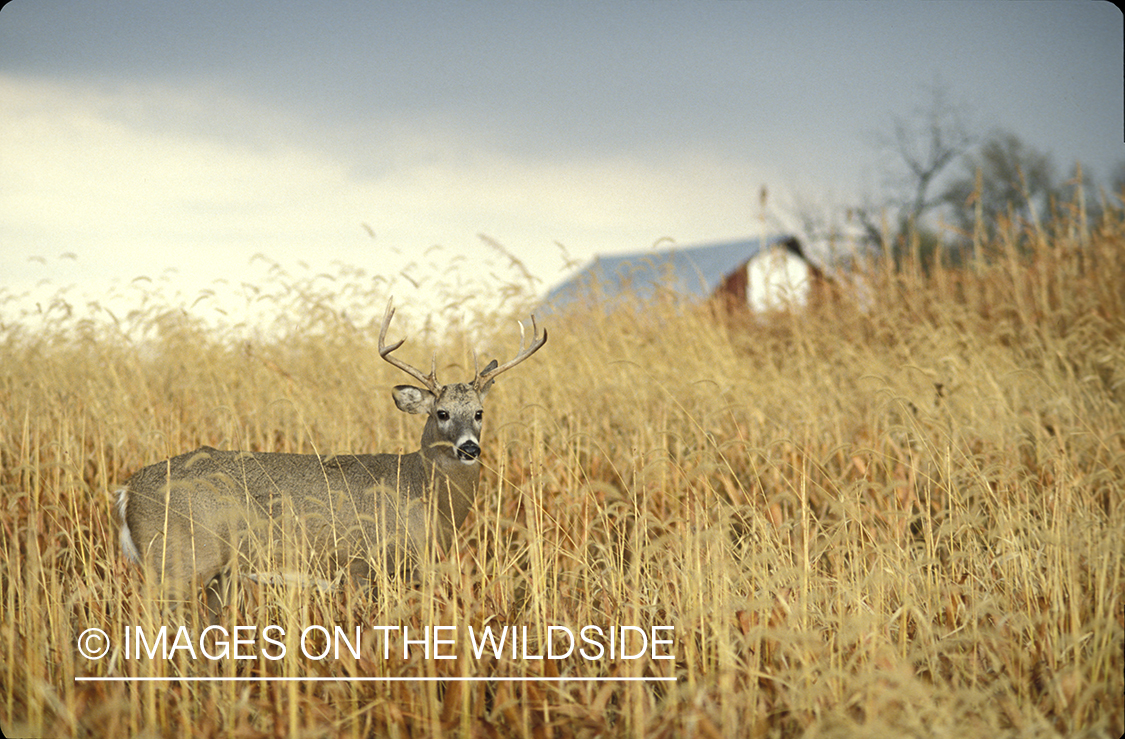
[[469, 451]]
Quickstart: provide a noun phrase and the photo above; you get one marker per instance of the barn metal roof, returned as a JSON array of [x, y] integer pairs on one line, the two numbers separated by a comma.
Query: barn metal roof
[[691, 272]]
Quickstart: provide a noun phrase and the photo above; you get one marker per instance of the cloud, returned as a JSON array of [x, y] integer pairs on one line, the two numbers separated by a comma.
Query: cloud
[[136, 179], [85, 166]]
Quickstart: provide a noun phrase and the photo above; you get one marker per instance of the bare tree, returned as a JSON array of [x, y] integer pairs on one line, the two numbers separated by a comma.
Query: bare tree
[[927, 145], [918, 153]]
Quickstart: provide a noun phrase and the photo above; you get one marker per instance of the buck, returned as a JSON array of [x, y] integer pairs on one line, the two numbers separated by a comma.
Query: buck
[[205, 512]]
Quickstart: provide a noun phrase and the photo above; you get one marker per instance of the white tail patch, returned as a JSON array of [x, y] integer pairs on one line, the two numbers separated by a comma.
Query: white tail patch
[[127, 544]]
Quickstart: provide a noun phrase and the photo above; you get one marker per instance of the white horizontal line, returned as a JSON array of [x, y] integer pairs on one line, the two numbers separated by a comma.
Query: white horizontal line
[[120, 679]]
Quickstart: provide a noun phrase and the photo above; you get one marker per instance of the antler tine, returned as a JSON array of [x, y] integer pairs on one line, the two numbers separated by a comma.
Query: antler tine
[[430, 382], [537, 342]]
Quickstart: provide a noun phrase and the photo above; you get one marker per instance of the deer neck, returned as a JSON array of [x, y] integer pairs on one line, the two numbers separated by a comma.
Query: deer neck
[[451, 482]]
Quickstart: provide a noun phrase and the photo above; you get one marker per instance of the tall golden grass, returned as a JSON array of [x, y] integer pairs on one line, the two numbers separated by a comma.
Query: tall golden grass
[[901, 518]]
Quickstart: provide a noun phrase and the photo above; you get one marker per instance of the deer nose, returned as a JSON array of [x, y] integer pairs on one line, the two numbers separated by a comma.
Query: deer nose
[[468, 451]]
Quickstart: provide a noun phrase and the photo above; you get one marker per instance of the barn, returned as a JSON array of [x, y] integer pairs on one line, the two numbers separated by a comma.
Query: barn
[[746, 272]]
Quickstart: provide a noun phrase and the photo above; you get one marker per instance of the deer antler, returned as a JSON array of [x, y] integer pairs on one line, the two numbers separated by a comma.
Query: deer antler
[[430, 381], [491, 371]]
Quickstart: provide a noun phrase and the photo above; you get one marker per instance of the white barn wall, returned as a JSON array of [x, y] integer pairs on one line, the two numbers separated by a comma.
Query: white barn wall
[[775, 279]]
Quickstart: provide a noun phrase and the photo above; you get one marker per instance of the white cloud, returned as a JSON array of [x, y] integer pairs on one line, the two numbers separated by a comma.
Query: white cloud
[[82, 166], [135, 180]]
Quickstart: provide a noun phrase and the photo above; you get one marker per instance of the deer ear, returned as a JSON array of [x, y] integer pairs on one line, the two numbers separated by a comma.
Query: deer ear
[[487, 385], [412, 399]]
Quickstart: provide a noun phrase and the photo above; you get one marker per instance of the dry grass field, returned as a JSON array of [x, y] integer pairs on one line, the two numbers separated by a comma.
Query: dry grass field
[[905, 520]]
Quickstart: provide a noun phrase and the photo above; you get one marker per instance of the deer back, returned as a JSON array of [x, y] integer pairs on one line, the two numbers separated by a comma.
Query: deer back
[[200, 511]]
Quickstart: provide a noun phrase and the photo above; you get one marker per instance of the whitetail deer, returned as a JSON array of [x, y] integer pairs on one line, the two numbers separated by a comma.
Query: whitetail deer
[[201, 513]]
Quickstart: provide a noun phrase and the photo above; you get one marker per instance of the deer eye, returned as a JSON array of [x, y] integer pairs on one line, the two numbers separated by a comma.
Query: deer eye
[[443, 415], [480, 415]]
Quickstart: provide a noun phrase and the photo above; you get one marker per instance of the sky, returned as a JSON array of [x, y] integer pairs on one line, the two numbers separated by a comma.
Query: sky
[[193, 145]]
